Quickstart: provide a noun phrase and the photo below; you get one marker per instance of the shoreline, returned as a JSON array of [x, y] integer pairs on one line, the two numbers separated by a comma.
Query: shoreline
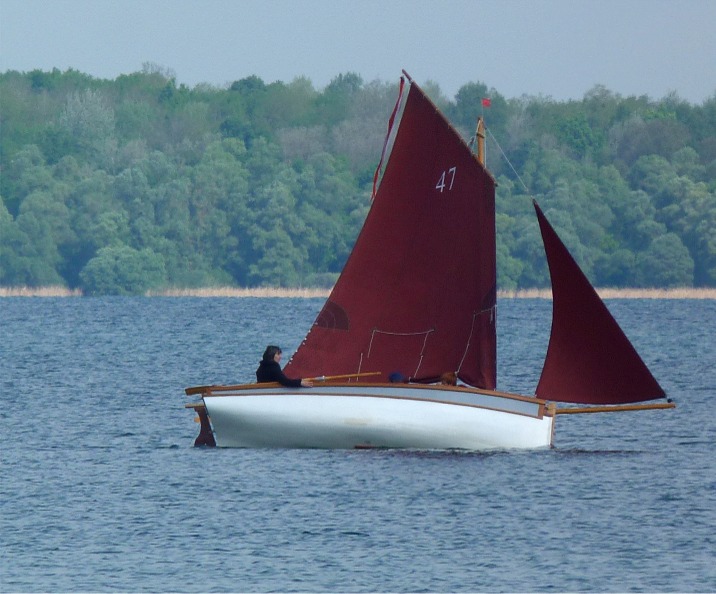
[[306, 293]]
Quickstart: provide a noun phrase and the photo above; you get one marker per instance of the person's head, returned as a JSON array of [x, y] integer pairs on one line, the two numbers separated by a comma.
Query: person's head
[[271, 352], [449, 378]]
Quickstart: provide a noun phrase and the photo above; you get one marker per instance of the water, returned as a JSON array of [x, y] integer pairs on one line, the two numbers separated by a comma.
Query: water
[[101, 489]]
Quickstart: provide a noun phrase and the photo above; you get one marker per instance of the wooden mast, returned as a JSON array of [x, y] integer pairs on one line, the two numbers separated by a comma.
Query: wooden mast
[[480, 135]]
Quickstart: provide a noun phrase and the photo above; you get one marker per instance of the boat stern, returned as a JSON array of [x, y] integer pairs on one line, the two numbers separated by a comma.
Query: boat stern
[[206, 433]]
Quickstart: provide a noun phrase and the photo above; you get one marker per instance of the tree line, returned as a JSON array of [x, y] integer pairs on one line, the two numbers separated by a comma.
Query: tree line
[[137, 183]]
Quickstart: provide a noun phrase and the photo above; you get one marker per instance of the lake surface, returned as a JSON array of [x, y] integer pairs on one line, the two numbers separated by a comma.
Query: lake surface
[[101, 489]]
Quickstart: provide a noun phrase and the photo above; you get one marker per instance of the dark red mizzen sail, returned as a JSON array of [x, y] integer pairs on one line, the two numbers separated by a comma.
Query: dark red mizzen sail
[[589, 359], [417, 295]]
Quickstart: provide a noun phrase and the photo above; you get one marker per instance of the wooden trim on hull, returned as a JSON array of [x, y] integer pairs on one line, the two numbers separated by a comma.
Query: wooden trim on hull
[[618, 408], [375, 390]]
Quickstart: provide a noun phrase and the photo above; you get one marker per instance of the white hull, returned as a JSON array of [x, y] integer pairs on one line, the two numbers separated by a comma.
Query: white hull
[[376, 416]]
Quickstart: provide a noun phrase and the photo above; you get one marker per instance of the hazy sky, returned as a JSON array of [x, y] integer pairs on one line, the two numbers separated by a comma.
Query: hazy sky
[[557, 48]]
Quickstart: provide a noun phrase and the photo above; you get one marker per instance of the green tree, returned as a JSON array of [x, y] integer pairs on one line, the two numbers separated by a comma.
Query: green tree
[[666, 263], [616, 267], [334, 104], [191, 174], [576, 133], [275, 238], [25, 173], [651, 137], [89, 119], [13, 266], [122, 270], [509, 268]]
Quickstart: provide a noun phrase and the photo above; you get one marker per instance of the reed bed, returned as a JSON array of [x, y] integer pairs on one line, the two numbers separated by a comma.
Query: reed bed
[[39, 292], [242, 292], [304, 292], [675, 293]]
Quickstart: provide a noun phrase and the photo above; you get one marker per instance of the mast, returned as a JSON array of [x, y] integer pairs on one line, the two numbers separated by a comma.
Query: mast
[[480, 135]]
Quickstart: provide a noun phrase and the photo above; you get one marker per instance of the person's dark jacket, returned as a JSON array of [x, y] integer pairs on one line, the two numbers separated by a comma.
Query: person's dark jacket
[[270, 371]]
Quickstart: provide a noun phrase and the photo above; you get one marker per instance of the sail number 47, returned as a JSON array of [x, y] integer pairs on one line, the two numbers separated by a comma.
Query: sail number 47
[[447, 178]]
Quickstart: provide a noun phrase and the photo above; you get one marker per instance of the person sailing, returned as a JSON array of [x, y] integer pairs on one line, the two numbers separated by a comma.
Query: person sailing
[[269, 370]]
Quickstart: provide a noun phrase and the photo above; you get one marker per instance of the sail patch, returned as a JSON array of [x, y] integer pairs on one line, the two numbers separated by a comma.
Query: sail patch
[[333, 317]]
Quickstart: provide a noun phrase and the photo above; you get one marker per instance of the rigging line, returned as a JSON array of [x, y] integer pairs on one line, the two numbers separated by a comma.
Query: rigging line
[[388, 333], [475, 315], [469, 339], [509, 162], [422, 353]]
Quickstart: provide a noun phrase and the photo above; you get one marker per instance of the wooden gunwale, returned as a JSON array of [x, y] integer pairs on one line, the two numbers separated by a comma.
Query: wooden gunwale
[[211, 390], [275, 389]]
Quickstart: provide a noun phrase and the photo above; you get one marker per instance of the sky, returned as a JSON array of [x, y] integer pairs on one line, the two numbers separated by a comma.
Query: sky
[[553, 48]]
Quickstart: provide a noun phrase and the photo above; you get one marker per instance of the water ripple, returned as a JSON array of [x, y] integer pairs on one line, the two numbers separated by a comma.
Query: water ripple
[[100, 489]]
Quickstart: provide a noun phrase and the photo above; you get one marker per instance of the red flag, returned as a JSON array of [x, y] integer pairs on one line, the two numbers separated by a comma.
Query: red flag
[[486, 102]]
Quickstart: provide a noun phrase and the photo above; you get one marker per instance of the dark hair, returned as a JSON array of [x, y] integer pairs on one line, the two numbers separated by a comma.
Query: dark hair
[[270, 352], [449, 378]]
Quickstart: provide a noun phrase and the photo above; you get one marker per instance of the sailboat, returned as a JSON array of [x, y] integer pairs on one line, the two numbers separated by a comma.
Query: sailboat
[[416, 300]]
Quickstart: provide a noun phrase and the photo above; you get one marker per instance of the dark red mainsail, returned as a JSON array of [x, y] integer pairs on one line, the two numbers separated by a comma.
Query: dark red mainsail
[[417, 294], [589, 359]]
